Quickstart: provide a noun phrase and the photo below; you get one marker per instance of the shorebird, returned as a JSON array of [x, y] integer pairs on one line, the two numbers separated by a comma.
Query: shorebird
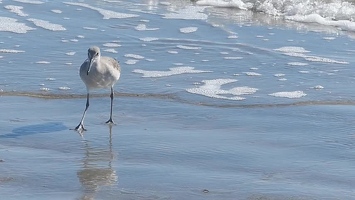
[[98, 72]]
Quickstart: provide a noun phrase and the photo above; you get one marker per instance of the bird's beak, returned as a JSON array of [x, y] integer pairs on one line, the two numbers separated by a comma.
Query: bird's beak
[[90, 64]]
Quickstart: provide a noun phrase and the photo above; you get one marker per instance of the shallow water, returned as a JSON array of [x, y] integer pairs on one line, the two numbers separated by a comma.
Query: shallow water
[[209, 105]]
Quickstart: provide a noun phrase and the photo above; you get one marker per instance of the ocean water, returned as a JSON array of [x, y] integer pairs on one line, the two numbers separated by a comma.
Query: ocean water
[[217, 100]]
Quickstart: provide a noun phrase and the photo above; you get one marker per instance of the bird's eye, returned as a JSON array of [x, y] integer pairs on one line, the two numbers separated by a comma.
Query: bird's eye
[[97, 54]]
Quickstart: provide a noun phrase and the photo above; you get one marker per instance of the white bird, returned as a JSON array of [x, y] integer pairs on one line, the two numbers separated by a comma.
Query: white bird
[[98, 72]]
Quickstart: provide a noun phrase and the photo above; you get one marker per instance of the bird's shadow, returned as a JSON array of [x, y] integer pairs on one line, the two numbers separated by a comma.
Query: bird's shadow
[[48, 127]]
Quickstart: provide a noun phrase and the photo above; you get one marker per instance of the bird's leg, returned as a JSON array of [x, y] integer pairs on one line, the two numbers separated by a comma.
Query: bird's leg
[[110, 121], [80, 128]]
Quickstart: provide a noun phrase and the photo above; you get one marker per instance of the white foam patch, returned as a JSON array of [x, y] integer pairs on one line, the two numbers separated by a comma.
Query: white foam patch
[[212, 89], [189, 12], [107, 14], [131, 62], [297, 64], [43, 62], [300, 52], [16, 9], [29, 1], [165, 3], [290, 95], [44, 89], [143, 27], [318, 87], [89, 28], [304, 72], [11, 25], [173, 52], [188, 47], [293, 49], [11, 51], [279, 75], [64, 88], [232, 37], [329, 38], [233, 58], [57, 11], [110, 50], [135, 56], [316, 18], [225, 4], [172, 71], [111, 44], [148, 39], [47, 25], [72, 53], [252, 74], [188, 29]]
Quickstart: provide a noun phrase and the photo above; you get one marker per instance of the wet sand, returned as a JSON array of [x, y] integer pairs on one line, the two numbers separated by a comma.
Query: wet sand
[[161, 149]]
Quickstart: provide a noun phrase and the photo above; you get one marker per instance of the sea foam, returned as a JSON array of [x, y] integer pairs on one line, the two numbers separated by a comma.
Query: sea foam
[[107, 14], [172, 71], [47, 25], [212, 89], [11, 25]]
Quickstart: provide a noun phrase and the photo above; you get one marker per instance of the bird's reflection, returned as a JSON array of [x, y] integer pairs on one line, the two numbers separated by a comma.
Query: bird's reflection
[[96, 170]]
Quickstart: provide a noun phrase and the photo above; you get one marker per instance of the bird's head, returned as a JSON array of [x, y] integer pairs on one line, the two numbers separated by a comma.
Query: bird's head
[[93, 54]]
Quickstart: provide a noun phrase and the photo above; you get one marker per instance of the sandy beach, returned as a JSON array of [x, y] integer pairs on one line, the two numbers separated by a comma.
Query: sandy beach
[[216, 100]]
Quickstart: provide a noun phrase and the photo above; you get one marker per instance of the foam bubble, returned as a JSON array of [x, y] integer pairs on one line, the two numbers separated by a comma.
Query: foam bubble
[[57, 11], [11, 25], [111, 50], [16, 9], [189, 12], [212, 89], [173, 52], [279, 75], [89, 28], [64, 88], [318, 87], [29, 1], [43, 62], [226, 4], [300, 52], [148, 39], [111, 44], [165, 3], [188, 47], [292, 49], [233, 37], [11, 51], [47, 25], [252, 74], [107, 14], [297, 64], [304, 72], [316, 18], [172, 71], [290, 95], [329, 38], [143, 27], [233, 58], [188, 29], [131, 62], [72, 53], [135, 56], [44, 89]]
